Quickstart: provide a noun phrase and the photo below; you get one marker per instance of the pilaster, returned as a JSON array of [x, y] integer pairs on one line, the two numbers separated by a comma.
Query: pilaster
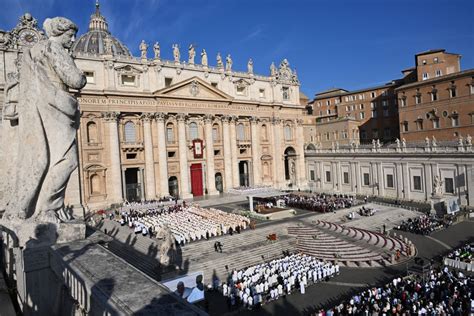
[[114, 178]]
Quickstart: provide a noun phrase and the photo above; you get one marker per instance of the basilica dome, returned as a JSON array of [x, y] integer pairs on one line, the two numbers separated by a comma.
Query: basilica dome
[[98, 40]]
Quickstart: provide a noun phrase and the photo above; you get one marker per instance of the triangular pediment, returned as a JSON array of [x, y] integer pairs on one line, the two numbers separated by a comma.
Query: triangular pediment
[[195, 88]]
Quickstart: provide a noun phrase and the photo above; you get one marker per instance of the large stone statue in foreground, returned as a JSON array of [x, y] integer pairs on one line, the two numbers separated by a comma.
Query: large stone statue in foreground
[[42, 135]]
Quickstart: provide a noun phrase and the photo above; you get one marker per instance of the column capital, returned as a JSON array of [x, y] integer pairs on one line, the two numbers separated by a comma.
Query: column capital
[[160, 116], [147, 117], [276, 120], [254, 119], [233, 118], [299, 122], [208, 118], [181, 117], [225, 119], [110, 116]]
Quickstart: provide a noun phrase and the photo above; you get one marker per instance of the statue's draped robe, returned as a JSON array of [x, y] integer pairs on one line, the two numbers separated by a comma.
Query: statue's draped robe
[[48, 119]]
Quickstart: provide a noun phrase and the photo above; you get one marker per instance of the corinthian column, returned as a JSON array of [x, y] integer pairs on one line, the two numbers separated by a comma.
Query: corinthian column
[[257, 179], [150, 188], [162, 156], [302, 180], [114, 177], [183, 157], [233, 150], [278, 174], [227, 153], [211, 182]]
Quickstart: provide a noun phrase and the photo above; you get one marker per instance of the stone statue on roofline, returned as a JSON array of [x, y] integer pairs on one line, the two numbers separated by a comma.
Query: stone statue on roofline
[[434, 142], [44, 135], [143, 48], [468, 140], [220, 64], [157, 50], [250, 66], [204, 61], [176, 53], [192, 54], [228, 63]]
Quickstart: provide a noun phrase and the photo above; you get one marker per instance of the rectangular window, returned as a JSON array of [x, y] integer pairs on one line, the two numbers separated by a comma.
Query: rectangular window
[[362, 115], [425, 76], [168, 81], [434, 96], [419, 125], [452, 92], [404, 102], [217, 152], [215, 134], [435, 123], [363, 134], [89, 76], [449, 185], [328, 176], [366, 179], [372, 105], [417, 183], [373, 94], [418, 99], [361, 106], [405, 126], [286, 93], [385, 113], [346, 177], [241, 91], [384, 103], [328, 102], [435, 60], [389, 181], [455, 121], [171, 154], [128, 80], [261, 93], [438, 73], [374, 113], [311, 175], [169, 135]]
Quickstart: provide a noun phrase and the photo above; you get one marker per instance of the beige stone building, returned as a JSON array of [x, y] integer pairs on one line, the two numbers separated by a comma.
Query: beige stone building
[[152, 127]]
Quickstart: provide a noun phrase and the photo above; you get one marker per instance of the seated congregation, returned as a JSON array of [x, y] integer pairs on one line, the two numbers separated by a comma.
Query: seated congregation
[[442, 293], [257, 285], [423, 225], [187, 223], [316, 202]]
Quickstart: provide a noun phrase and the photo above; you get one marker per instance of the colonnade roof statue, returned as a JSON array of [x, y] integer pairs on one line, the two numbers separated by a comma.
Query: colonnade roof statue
[[38, 147]]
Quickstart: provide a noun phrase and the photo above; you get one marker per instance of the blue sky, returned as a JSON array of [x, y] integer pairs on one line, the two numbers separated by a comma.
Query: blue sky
[[332, 43]]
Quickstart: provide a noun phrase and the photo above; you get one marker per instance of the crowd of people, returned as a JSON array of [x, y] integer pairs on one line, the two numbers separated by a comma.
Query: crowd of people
[[318, 202], [443, 293], [187, 223], [464, 253], [269, 281], [423, 225]]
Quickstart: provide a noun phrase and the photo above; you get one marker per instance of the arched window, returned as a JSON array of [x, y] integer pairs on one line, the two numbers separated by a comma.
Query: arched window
[[266, 170], [130, 133], [240, 132], [193, 131], [263, 133], [92, 132], [95, 184], [215, 133], [288, 135]]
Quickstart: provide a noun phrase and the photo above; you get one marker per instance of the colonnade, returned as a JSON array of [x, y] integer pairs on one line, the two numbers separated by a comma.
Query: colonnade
[[155, 188]]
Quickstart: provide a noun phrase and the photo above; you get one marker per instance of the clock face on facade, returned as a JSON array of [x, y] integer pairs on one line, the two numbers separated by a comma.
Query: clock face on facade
[[28, 37]]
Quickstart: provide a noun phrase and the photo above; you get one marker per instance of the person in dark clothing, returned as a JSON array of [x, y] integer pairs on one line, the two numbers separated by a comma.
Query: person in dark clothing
[[215, 246], [231, 231]]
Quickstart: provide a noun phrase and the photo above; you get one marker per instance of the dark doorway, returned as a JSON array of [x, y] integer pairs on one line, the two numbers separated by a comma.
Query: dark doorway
[[244, 173], [173, 187], [196, 179], [219, 184], [132, 185]]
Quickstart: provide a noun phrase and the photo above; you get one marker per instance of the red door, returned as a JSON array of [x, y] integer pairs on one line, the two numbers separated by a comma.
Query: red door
[[196, 179]]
